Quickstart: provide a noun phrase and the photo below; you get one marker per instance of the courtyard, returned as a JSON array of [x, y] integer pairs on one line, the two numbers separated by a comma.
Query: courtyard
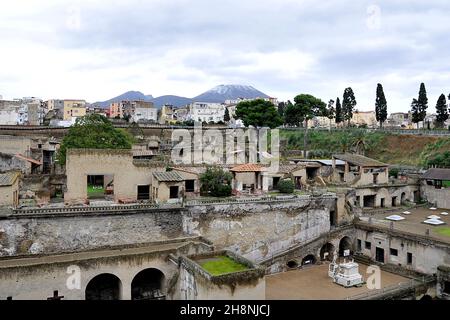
[[313, 283]]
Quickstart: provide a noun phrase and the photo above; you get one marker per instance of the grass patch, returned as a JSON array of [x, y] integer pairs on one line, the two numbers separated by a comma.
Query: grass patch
[[446, 184], [444, 231], [221, 265], [95, 191]]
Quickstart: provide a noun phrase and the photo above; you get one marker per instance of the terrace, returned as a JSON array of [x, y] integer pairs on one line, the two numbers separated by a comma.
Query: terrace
[[413, 222]]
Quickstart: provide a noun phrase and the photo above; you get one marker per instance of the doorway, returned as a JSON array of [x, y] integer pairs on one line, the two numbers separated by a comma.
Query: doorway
[[143, 192], [379, 254], [394, 201], [275, 182], [173, 192], [369, 201]]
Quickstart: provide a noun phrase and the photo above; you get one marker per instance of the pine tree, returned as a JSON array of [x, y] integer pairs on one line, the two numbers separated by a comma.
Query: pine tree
[[226, 116], [422, 102], [348, 105], [380, 105], [338, 118], [441, 111]]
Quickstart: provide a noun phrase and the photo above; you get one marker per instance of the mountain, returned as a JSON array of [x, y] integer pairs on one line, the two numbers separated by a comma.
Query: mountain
[[216, 94], [230, 91], [129, 95], [176, 101]]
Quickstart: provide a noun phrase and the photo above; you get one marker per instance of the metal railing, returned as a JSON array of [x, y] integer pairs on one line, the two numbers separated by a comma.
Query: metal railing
[[392, 289], [270, 199], [87, 209]]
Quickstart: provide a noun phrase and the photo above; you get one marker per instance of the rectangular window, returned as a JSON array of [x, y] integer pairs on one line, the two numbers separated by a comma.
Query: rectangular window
[[189, 185], [359, 243], [409, 258], [393, 252], [367, 245]]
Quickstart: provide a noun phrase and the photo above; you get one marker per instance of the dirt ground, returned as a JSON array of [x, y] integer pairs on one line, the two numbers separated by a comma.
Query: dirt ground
[[313, 283], [414, 222]]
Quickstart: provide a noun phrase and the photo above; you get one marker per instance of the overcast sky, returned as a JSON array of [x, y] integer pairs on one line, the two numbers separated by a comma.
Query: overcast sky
[[98, 49]]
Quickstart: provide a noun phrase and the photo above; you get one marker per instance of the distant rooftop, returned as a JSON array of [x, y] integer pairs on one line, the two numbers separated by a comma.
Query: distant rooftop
[[169, 176], [437, 174], [8, 178], [247, 167], [360, 160]]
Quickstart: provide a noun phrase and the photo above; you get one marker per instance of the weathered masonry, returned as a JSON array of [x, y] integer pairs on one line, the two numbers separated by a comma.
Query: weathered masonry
[[146, 271]]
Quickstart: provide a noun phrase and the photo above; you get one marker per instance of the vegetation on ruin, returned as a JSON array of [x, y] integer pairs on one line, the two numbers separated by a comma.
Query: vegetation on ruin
[[286, 186], [216, 182], [409, 150], [222, 265], [445, 231], [94, 131]]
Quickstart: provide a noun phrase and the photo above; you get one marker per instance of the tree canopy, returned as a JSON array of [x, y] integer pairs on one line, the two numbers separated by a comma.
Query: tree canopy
[[258, 113], [216, 182], [380, 106], [94, 131], [305, 108], [441, 111]]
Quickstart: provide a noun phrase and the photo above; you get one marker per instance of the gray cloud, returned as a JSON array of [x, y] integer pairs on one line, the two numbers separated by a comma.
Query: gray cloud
[[100, 48]]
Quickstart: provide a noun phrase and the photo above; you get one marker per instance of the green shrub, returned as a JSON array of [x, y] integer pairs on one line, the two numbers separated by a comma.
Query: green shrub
[[216, 182], [393, 172], [286, 186]]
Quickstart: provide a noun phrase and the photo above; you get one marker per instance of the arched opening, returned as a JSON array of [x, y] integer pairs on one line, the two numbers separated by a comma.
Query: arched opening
[[326, 252], [148, 285], [345, 244], [403, 198], [292, 264], [105, 286], [308, 260], [426, 297]]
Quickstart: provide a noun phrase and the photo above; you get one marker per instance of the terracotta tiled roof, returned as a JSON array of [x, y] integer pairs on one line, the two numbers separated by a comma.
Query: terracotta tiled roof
[[247, 167], [28, 159]]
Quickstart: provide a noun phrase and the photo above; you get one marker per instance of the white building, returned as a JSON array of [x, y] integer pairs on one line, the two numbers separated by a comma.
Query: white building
[[26, 111], [144, 114], [206, 111]]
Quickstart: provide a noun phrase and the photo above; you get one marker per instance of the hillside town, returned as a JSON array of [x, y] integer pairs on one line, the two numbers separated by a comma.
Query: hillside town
[[31, 111]]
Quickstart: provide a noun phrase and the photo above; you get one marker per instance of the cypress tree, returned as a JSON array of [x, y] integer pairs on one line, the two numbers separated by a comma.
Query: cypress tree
[[226, 116], [441, 111], [338, 117], [348, 104], [422, 102], [415, 112], [380, 105]]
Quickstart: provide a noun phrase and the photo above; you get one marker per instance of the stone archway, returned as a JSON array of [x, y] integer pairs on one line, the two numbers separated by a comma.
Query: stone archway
[[309, 260], [105, 286], [403, 198], [148, 285], [326, 252], [345, 244]]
